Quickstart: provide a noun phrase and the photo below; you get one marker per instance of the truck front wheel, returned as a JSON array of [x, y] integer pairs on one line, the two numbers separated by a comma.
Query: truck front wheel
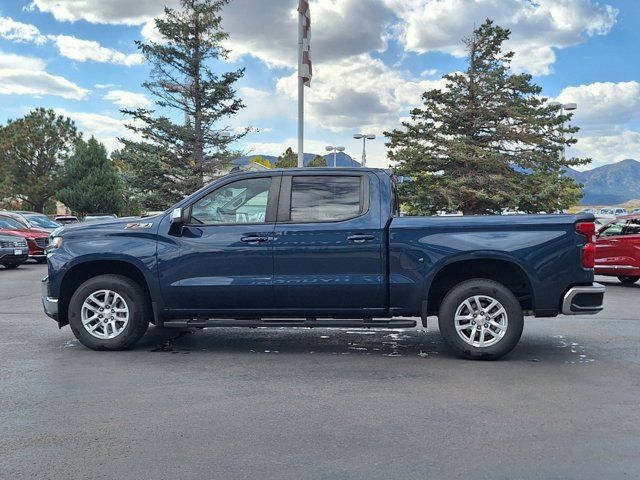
[[109, 312], [480, 319]]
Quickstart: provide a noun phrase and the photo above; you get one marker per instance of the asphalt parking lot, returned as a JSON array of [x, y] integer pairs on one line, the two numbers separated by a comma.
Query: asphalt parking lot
[[318, 404]]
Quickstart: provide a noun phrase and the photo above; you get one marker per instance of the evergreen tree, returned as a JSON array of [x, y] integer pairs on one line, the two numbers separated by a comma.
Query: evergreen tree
[[32, 151], [318, 161], [486, 141], [289, 159], [90, 181], [183, 145]]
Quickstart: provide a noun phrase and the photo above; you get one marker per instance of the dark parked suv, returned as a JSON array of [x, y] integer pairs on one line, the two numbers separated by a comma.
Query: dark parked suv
[[13, 250]]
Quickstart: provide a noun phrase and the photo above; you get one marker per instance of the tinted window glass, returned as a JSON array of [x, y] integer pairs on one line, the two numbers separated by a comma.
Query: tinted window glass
[[244, 201], [612, 229], [632, 228], [325, 198], [6, 222], [42, 221]]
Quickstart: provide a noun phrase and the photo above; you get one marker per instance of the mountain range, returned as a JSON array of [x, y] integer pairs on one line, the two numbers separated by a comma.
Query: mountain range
[[611, 184]]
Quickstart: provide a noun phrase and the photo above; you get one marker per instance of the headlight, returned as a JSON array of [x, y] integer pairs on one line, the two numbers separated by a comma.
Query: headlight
[[55, 242]]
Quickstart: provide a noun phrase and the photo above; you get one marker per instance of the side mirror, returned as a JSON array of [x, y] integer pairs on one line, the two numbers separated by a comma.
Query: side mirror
[[177, 217], [180, 216]]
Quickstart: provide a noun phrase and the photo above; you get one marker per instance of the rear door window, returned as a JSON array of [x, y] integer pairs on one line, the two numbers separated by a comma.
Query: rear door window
[[326, 198]]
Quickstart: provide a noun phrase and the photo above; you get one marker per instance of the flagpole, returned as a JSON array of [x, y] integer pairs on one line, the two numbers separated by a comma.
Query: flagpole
[[301, 20]]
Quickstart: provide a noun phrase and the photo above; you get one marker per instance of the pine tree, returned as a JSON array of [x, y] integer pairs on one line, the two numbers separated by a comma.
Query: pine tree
[[32, 151], [183, 144], [90, 181], [486, 141], [289, 159]]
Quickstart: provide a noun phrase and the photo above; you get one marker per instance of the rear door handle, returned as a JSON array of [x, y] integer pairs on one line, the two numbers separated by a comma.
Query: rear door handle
[[360, 238], [254, 239]]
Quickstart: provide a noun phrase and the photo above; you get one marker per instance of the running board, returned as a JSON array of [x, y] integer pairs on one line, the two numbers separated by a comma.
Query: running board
[[295, 322]]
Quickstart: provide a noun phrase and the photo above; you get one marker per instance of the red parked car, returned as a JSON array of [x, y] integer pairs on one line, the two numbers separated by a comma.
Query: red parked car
[[37, 240], [618, 249]]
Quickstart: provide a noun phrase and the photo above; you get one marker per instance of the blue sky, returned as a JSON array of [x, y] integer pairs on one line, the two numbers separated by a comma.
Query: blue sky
[[372, 60]]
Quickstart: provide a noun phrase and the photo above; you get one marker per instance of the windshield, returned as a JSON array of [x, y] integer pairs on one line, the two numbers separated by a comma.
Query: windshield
[[6, 222], [42, 221]]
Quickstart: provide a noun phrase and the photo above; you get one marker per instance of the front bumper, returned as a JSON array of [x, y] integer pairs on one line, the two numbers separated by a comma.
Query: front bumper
[[583, 300], [50, 304], [9, 257]]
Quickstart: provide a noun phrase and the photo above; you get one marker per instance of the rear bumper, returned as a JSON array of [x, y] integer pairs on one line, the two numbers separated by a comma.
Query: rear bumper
[[50, 304], [583, 300]]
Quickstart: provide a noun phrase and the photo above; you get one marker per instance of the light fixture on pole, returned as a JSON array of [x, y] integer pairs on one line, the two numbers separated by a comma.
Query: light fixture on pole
[[364, 137], [335, 150], [564, 107]]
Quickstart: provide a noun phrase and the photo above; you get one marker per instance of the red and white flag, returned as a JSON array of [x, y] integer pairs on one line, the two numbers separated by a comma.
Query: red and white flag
[[306, 71]]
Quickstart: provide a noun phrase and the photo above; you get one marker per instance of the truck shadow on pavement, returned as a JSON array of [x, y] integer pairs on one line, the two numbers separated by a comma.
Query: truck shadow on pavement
[[556, 349]]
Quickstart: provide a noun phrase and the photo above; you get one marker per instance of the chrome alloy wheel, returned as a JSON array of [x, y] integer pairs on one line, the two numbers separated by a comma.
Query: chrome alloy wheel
[[104, 314], [481, 321]]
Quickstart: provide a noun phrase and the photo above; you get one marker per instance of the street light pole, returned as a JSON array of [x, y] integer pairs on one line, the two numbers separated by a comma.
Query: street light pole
[[335, 151], [564, 107], [364, 137]]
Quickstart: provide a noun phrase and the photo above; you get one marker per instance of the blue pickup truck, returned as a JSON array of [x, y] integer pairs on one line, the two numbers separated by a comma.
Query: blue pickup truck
[[319, 248]]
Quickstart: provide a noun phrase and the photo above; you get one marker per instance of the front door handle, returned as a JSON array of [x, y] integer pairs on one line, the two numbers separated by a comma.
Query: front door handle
[[254, 239], [360, 238]]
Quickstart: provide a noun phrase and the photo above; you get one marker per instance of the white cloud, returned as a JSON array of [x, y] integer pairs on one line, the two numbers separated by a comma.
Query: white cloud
[[21, 75], [340, 28], [606, 149], [20, 62], [603, 106], [20, 32], [126, 99], [539, 28], [358, 92], [105, 128], [84, 50], [125, 12], [269, 32]]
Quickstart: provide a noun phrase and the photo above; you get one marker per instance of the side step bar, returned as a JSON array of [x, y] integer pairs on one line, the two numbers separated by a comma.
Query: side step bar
[[294, 322]]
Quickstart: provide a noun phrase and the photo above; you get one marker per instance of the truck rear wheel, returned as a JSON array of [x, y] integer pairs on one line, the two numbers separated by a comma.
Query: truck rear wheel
[[481, 319], [109, 312]]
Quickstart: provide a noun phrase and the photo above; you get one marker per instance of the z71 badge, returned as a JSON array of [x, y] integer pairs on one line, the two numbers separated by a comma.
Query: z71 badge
[[133, 226]]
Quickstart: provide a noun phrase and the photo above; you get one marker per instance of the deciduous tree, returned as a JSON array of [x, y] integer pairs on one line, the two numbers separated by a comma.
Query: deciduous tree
[[318, 161], [289, 159], [32, 151]]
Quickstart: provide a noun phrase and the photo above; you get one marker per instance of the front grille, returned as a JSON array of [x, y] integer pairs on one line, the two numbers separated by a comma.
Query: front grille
[[42, 242], [13, 244]]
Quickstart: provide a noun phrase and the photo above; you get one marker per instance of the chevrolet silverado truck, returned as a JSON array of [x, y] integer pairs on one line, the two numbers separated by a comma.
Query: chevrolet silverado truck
[[319, 248]]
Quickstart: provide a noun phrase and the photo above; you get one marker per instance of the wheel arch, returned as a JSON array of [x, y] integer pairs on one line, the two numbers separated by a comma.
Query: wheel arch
[[502, 270], [81, 272]]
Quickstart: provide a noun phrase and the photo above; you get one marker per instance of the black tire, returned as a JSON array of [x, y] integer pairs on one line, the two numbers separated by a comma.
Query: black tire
[[137, 303], [11, 266], [456, 297], [41, 260], [628, 280]]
